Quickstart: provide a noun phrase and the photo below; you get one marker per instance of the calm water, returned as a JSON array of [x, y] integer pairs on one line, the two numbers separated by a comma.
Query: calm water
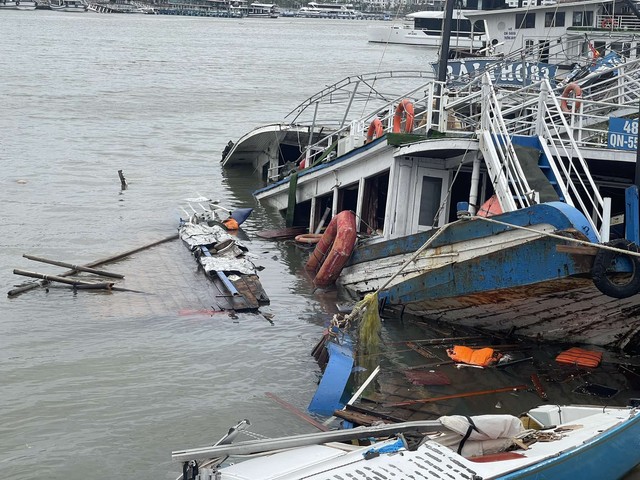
[[105, 386]]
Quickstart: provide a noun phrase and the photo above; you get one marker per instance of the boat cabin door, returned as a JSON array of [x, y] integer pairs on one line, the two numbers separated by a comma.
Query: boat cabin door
[[430, 189]]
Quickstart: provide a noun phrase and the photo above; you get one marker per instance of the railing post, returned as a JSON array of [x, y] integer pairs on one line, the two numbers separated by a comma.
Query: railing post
[[542, 109], [606, 220]]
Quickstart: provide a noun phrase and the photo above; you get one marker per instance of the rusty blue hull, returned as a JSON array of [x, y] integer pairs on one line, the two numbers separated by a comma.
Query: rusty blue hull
[[538, 285]]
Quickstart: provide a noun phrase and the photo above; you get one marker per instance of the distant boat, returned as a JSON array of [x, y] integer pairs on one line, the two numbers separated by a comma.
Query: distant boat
[[558, 441], [68, 6], [18, 5], [426, 30], [264, 10]]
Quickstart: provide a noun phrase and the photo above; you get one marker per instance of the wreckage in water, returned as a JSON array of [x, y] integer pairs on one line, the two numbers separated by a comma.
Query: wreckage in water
[[224, 258]]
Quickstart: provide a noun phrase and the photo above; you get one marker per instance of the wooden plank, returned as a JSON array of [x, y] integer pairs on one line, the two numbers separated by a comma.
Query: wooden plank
[[282, 233]]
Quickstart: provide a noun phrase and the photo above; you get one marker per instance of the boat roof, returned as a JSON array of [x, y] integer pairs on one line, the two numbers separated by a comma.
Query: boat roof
[[537, 8], [437, 14]]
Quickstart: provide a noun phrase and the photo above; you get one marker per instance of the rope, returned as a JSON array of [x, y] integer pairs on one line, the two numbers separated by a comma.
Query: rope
[[560, 237]]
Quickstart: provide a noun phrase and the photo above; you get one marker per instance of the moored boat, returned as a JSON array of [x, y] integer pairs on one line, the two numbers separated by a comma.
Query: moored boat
[[550, 441], [69, 6], [18, 5]]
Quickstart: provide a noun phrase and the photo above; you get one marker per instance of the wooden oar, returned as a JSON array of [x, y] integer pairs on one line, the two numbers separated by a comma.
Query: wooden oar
[[78, 268], [456, 395], [297, 412]]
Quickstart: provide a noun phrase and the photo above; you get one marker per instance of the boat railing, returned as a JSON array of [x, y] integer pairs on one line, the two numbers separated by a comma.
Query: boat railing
[[509, 181], [429, 114], [536, 111], [617, 22]]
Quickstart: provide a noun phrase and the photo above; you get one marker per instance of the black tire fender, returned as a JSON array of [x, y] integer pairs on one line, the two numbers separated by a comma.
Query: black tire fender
[[603, 261]]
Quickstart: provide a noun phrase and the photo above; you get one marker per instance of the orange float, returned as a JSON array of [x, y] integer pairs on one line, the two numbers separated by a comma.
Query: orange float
[[334, 249], [310, 238], [376, 130], [572, 87], [580, 357], [404, 110]]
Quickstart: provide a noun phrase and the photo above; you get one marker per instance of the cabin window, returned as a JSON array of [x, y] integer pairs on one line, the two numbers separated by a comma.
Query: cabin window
[[582, 19], [429, 200], [434, 25], [554, 19], [525, 20], [374, 203]]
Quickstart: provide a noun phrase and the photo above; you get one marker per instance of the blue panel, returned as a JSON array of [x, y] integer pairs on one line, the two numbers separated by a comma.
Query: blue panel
[[632, 214], [334, 380], [558, 214]]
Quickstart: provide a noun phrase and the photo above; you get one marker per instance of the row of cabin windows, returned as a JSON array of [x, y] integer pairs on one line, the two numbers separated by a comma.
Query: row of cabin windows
[[435, 25], [554, 19]]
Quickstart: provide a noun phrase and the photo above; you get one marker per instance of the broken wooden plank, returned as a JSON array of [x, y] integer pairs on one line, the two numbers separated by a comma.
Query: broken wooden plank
[[457, 395]]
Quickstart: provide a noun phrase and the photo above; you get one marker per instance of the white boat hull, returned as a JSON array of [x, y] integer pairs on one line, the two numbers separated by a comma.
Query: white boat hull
[[20, 5], [406, 35]]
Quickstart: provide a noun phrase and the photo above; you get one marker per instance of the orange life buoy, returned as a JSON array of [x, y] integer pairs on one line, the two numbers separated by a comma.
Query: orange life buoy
[[376, 130], [403, 110], [310, 238], [334, 249], [575, 88]]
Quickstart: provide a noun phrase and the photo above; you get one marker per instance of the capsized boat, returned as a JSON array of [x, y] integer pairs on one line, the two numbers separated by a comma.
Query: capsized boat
[[549, 441], [500, 208], [224, 259]]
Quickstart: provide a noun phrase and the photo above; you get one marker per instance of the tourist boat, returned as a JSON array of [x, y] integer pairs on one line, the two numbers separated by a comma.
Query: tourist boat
[[274, 150], [549, 441], [263, 10], [221, 255], [426, 30], [69, 5], [328, 10], [496, 208], [18, 5]]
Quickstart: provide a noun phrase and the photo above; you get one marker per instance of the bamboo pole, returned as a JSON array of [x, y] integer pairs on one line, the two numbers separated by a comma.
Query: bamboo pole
[[56, 278], [456, 395], [103, 261], [77, 268]]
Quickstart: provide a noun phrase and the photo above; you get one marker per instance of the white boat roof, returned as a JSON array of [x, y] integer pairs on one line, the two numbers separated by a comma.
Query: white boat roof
[[538, 8], [438, 14]]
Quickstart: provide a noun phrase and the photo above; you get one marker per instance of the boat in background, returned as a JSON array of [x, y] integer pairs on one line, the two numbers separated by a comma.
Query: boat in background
[[18, 5], [550, 441], [263, 10], [426, 31], [69, 6]]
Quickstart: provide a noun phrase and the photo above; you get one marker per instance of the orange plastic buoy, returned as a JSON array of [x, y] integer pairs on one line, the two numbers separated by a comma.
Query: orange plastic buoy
[[482, 357], [404, 111], [334, 249], [376, 130]]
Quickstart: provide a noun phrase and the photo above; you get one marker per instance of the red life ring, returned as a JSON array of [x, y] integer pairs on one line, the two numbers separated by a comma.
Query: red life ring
[[607, 22], [334, 249], [575, 88], [376, 130], [403, 110], [310, 238]]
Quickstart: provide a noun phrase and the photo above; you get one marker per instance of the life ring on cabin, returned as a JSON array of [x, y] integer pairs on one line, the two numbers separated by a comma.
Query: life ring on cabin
[[334, 249], [606, 22], [611, 286], [309, 238], [577, 91], [404, 110], [376, 130]]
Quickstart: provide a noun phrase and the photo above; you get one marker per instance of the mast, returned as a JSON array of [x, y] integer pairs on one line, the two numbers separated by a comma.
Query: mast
[[444, 46]]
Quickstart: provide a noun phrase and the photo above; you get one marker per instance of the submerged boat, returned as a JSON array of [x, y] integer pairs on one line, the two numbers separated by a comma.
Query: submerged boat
[[500, 208], [224, 259], [550, 441]]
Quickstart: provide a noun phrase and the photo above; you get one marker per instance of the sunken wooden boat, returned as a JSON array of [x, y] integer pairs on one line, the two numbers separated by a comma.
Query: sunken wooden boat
[[224, 259]]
